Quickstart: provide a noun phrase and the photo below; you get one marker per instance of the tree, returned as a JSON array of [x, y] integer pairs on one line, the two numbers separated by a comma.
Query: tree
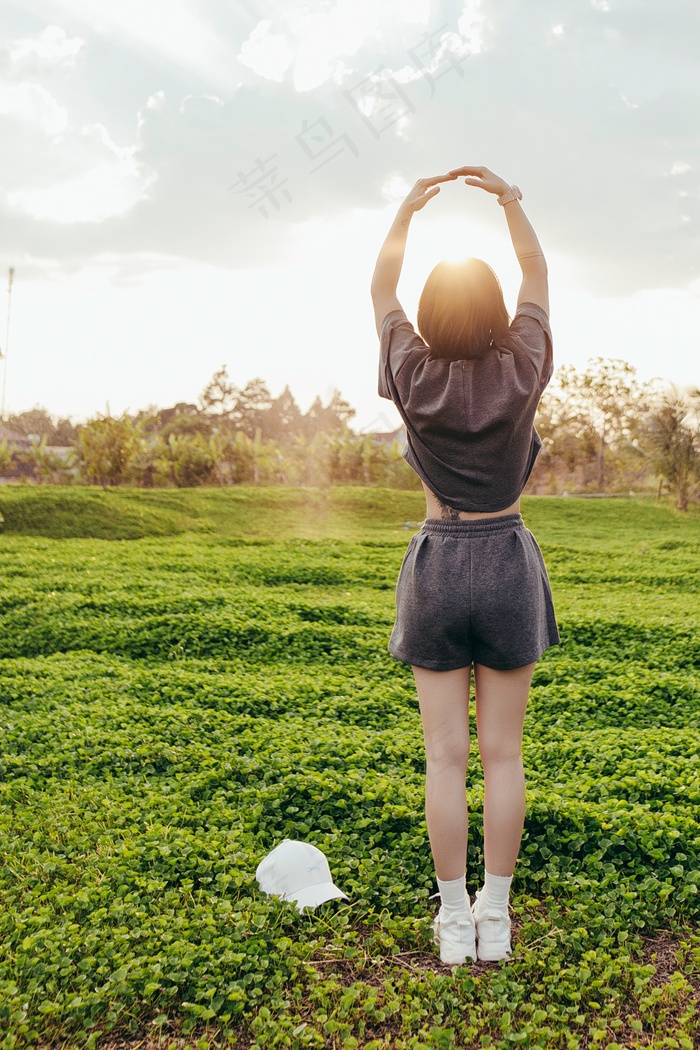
[[265, 459], [186, 460], [586, 415], [338, 413], [186, 423], [182, 418], [105, 446], [312, 420], [148, 420], [142, 468], [673, 435], [38, 423], [65, 433], [242, 459], [332, 418], [307, 461], [346, 457], [5, 458], [219, 396], [35, 421], [252, 403], [283, 420]]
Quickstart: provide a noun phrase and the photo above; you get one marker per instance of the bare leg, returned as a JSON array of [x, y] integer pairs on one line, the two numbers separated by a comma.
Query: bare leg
[[443, 697], [501, 700]]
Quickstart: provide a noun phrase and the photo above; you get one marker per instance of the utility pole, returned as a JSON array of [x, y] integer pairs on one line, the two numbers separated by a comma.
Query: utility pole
[[10, 276]]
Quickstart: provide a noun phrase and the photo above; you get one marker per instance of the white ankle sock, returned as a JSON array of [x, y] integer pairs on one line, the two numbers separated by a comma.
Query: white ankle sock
[[497, 889], [453, 896]]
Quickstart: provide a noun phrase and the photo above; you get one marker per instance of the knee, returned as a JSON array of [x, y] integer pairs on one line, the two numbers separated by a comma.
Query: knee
[[447, 754], [500, 752]]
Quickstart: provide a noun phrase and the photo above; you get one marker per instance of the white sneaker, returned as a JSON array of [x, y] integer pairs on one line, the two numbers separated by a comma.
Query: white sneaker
[[456, 937], [492, 928]]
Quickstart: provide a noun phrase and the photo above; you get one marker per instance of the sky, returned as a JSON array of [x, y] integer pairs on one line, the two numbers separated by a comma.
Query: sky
[[186, 185]]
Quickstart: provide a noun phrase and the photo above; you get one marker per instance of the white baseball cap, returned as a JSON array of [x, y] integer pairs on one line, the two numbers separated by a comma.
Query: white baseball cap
[[297, 871]]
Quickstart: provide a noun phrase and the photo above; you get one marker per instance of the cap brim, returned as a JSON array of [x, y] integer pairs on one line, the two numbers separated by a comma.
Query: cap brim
[[314, 895]]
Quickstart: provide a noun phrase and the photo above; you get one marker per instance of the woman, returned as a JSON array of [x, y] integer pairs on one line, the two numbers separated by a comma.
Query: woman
[[473, 588]]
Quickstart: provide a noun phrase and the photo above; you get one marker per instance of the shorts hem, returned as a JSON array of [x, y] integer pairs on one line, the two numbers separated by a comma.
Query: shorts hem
[[520, 663], [430, 665], [455, 665]]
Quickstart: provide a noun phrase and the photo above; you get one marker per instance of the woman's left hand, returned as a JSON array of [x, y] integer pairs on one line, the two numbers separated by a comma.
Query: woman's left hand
[[423, 190]]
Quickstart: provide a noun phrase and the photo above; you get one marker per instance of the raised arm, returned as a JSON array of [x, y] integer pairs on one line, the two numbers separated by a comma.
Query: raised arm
[[390, 260], [534, 287]]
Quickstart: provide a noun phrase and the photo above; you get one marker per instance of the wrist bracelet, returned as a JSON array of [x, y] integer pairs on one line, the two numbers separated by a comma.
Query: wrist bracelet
[[513, 194]]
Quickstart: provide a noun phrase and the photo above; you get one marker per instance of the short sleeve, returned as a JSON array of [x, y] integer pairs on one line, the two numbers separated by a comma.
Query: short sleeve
[[399, 346], [530, 334]]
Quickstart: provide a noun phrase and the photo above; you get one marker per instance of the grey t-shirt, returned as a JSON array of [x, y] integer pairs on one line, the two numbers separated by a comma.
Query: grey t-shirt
[[470, 433]]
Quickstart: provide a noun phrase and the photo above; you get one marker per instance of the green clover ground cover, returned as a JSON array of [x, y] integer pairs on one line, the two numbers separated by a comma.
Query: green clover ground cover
[[174, 705]]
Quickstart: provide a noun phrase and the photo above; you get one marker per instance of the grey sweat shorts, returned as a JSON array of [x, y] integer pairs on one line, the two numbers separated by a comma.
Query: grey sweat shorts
[[473, 591]]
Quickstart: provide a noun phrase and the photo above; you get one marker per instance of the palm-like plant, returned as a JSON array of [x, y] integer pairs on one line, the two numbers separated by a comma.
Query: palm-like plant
[[52, 467], [673, 435], [185, 460], [5, 458]]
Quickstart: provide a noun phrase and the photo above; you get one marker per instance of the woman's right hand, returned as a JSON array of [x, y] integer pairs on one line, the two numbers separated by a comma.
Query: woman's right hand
[[423, 190], [483, 177]]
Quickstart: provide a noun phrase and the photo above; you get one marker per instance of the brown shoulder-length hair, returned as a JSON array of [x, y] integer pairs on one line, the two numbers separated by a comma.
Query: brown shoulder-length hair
[[461, 312]]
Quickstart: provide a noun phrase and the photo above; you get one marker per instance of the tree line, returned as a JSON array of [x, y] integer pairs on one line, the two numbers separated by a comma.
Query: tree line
[[232, 436], [603, 431]]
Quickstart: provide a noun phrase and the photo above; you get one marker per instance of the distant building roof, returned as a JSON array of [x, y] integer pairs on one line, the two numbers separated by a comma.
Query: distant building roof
[[388, 437]]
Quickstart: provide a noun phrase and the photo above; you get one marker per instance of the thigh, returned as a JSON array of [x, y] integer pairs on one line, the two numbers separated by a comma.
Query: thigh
[[501, 702], [443, 697]]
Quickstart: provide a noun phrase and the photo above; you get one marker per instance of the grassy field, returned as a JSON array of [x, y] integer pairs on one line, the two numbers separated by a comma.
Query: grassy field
[[188, 677]]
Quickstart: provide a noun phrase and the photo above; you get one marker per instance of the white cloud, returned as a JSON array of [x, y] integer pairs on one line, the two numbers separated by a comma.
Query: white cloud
[[490, 90], [55, 172], [174, 30], [268, 54], [325, 36], [415, 11], [105, 189], [52, 46], [195, 101], [34, 105], [353, 25], [407, 74], [395, 188], [680, 167], [628, 103], [446, 47], [471, 25]]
